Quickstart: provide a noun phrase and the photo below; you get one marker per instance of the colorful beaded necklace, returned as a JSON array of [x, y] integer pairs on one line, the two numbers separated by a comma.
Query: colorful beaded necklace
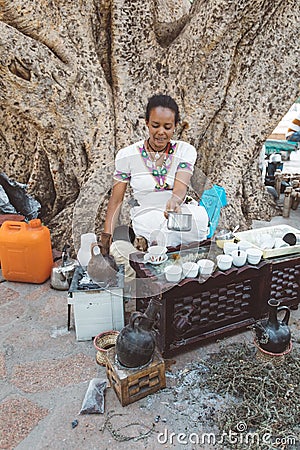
[[159, 173]]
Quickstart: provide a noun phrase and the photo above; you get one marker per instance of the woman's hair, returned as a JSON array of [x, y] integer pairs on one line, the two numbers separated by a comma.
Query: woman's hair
[[165, 101]]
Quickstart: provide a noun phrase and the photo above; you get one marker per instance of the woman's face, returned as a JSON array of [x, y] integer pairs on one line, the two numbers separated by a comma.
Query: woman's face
[[161, 126]]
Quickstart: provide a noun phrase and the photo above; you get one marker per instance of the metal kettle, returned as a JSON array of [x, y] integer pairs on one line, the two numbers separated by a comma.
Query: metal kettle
[[61, 276]]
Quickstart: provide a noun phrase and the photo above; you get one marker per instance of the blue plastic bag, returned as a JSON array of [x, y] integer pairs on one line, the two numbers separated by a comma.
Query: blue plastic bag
[[213, 200]]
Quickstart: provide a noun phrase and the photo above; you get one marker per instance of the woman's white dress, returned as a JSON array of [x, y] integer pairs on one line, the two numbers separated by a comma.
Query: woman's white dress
[[152, 188]]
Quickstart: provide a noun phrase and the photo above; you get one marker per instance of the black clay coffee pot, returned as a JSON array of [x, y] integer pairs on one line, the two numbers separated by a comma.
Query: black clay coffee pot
[[136, 342], [272, 334]]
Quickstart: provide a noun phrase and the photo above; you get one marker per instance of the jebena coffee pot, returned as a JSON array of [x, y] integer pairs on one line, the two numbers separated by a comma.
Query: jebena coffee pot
[[136, 342], [272, 334]]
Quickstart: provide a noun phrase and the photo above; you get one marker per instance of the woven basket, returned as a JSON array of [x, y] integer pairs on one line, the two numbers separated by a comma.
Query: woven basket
[[275, 358], [102, 343]]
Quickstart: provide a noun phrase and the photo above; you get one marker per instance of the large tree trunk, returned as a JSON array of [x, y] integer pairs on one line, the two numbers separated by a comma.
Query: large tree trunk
[[75, 78]]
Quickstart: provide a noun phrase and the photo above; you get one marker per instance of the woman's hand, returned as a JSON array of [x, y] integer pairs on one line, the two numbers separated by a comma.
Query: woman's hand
[[181, 183], [105, 239], [173, 204]]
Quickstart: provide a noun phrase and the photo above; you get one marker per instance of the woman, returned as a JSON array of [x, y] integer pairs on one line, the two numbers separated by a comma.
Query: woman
[[159, 170]]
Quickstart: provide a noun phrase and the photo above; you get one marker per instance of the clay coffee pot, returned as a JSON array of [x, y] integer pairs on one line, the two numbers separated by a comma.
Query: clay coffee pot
[[136, 342], [101, 268], [272, 334]]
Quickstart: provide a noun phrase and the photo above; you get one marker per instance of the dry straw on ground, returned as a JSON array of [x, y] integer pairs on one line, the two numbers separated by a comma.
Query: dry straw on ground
[[263, 397]]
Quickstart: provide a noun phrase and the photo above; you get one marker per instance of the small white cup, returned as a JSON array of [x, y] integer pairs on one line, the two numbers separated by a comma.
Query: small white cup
[[266, 241], [254, 255], [206, 266], [173, 273], [244, 245], [224, 262], [229, 247], [278, 243], [239, 257], [156, 253], [190, 269]]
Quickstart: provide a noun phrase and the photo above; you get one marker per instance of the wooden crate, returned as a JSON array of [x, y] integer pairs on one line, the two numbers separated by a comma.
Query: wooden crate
[[131, 385]]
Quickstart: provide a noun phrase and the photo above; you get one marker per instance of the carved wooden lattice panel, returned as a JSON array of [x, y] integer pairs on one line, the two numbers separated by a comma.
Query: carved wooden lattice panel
[[220, 304], [285, 282]]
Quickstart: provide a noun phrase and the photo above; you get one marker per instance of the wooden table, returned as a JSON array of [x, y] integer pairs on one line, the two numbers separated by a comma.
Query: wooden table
[[197, 309]]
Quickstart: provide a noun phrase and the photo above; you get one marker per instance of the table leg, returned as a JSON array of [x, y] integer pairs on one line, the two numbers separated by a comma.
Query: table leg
[[69, 315]]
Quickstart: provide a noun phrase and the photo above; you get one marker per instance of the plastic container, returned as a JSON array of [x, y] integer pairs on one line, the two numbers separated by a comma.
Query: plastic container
[[84, 253], [25, 251]]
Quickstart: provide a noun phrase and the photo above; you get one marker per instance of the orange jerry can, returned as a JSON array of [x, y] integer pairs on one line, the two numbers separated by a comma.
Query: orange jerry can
[[25, 251]]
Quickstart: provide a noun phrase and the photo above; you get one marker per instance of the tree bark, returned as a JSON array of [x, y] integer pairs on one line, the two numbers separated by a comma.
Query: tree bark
[[75, 78]]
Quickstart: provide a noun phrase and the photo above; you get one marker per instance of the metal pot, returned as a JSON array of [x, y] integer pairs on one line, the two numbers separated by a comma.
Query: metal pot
[[179, 222], [61, 276], [224, 236]]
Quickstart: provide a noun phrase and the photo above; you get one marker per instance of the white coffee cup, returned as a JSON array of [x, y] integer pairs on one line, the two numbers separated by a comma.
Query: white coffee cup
[[254, 255], [155, 254], [266, 241], [224, 262], [173, 273], [278, 243], [244, 245], [229, 247], [239, 257], [190, 269], [206, 266]]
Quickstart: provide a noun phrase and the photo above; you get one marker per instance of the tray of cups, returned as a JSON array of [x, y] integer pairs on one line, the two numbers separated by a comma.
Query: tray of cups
[[278, 240]]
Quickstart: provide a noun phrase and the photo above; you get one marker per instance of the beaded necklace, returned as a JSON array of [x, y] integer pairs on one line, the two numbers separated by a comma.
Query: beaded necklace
[[159, 173], [157, 153]]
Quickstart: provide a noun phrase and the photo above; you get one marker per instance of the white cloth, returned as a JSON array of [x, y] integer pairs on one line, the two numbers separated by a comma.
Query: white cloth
[[148, 217], [121, 250]]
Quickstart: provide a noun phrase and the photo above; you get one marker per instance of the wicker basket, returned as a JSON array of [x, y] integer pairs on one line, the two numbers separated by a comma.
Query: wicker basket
[[275, 358], [102, 343]]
